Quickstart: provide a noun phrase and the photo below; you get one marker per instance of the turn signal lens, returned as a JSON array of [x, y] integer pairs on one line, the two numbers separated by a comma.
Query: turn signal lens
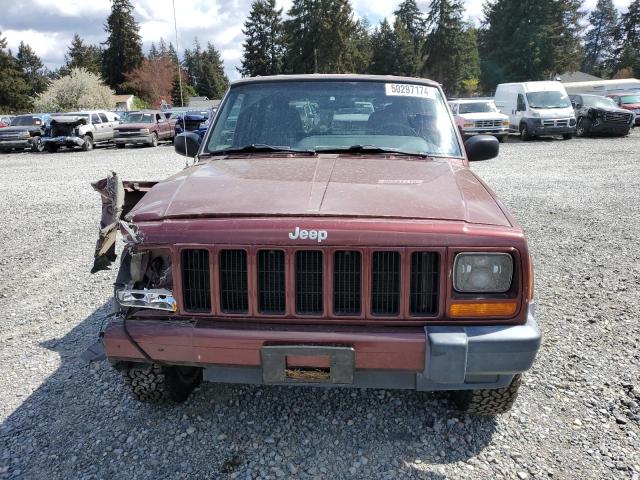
[[482, 309]]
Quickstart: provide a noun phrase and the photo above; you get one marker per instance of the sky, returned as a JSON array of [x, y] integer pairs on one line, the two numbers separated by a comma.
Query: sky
[[49, 25]]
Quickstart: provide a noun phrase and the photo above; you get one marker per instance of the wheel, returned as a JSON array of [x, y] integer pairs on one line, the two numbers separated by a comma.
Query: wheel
[[488, 402], [51, 148], [154, 139], [37, 145], [583, 127], [120, 145], [524, 132], [567, 136], [153, 383], [88, 143]]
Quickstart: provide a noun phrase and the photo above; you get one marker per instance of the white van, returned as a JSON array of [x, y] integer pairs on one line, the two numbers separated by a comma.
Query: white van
[[536, 108]]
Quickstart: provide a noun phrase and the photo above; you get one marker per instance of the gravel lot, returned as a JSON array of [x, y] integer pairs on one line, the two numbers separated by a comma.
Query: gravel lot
[[577, 416]]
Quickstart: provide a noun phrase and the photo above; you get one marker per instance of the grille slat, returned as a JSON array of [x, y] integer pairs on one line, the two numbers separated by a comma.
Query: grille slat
[[309, 287], [271, 282], [196, 289], [234, 294], [347, 283], [385, 283], [423, 292]]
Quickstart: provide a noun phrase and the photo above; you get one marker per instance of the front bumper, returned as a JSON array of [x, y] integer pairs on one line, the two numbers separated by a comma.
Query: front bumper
[[613, 128], [485, 131], [542, 130], [140, 140], [425, 359], [18, 144], [64, 141]]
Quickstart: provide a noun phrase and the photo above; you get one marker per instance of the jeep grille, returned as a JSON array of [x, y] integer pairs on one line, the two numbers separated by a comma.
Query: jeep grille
[[196, 290], [324, 283]]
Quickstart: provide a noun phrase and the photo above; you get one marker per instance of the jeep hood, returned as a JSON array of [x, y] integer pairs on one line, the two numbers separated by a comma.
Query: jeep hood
[[323, 185]]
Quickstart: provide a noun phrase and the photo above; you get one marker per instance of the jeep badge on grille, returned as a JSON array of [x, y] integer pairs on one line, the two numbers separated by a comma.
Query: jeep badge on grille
[[318, 235]]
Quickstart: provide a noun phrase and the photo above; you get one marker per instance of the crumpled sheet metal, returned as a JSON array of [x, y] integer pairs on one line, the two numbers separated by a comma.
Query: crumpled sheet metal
[[112, 192]]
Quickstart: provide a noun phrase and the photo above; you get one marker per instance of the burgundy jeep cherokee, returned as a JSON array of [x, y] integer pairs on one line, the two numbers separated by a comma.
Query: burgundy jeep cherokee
[[359, 253]]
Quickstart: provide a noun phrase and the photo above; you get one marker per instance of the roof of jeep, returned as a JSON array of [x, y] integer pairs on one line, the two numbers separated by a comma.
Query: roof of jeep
[[334, 77]]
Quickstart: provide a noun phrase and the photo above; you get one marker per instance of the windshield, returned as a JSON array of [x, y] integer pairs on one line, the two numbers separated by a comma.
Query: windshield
[[477, 107], [630, 99], [602, 102], [551, 99], [139, 118], [25, 121], [81, 115], [335, 115]]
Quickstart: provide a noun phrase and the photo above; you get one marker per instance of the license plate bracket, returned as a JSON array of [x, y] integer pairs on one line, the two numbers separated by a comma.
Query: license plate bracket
[[274, 362]]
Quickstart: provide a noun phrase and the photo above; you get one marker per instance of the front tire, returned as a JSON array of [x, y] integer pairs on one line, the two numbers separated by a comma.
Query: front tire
[[51, 148], [153, 383], [567, 136], [120, 145], [88, 143], [37, 146], [525, 135], [154, 139], [488, 402], [582, 130]]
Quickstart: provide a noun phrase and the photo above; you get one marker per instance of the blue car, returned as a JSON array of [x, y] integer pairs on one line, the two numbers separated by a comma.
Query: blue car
[[193, 121]]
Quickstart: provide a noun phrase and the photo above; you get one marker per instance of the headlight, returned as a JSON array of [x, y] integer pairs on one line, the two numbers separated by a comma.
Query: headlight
[[505, 123], [26, 134], [535, 114], [482, 272], [157, 299], [572, 122], [144, 131], [469, 125]]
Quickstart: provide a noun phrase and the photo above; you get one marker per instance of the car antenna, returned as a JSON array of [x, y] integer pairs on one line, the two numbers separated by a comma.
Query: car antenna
[[175, 28]]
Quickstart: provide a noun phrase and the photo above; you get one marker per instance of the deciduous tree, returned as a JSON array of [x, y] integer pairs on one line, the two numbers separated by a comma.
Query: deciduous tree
[[152, 80], [77, 91]]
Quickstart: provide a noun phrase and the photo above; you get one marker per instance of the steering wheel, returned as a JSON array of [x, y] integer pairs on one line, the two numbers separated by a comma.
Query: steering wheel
[[388, 129]]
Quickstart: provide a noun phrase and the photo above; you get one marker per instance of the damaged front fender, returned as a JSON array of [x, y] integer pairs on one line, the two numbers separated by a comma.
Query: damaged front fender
[[118, 198]]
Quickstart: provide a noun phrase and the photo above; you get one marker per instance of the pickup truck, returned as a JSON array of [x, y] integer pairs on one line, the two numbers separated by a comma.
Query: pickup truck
[[25, 132], [80, 129], [144, 128], [370, 258]]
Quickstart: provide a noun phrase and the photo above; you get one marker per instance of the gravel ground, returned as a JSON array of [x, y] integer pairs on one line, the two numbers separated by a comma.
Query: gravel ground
[[577, 416]]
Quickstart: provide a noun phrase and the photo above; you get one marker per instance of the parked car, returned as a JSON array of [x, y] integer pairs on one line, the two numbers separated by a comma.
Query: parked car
[[603, 87], [192, 121], [479, 116], [5, 120], [295, 258], [144, 128], [80, 129], [537, 109], [25, 132], [629, 101], [600, 115]]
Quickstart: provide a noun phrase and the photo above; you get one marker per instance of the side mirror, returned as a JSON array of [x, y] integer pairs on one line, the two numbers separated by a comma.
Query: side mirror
[[187, 144], [482, 147]]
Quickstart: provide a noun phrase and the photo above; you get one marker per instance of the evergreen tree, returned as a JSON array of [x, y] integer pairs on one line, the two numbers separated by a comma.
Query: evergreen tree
[[599, 40], [469, 61], [529, 40], [123, 52], [80, 55], [360, 47], [33, 68], [317, 36], [14, 90], [179, 99], [628, 52], [153, 52], [205, 71], [393, 50], [172, 54], [444, 48], [264, 47], [413, 21]]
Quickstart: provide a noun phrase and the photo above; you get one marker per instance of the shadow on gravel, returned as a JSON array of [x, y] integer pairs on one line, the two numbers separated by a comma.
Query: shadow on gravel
[[82, 423]]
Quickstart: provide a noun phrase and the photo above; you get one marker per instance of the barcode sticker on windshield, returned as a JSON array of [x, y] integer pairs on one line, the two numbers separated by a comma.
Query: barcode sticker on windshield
[[409, 90]]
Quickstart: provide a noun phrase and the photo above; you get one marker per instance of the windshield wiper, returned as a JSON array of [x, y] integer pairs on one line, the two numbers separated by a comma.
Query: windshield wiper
[[259, 148], [368, 149]]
